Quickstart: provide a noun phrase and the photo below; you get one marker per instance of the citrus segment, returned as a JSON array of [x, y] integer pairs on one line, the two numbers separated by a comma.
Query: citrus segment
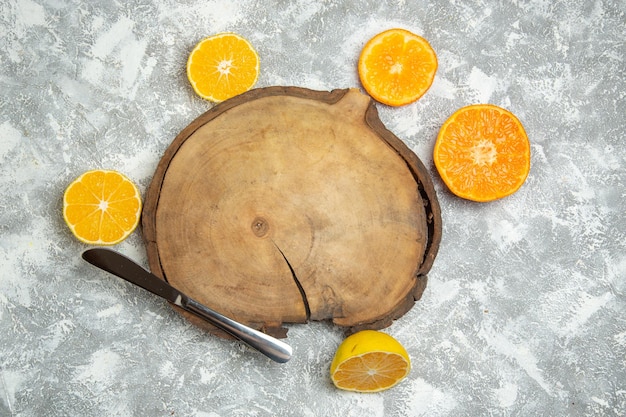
[[397, 67], [369, 361], [222, 66], [482, 153], [101, 207]]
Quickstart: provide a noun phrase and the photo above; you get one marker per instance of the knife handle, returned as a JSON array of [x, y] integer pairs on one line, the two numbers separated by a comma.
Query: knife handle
[[269, 346]]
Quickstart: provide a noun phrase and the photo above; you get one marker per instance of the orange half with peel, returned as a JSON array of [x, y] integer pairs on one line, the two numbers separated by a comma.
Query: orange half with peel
[[482, 153]]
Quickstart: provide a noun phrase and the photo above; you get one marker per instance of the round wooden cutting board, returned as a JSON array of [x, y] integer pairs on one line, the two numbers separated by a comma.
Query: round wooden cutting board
[[284, 205]]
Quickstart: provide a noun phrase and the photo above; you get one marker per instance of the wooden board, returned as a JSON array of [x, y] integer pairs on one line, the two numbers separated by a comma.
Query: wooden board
[[284, 205]]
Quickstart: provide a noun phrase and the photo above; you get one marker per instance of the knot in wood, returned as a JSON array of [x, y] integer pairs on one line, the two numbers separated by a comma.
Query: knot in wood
[[260, 227]]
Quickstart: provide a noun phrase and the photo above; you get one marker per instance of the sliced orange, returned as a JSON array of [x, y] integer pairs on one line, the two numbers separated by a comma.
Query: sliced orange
[[101, 207], [482, 153], [397, 67], [222, 66], [369, 361]]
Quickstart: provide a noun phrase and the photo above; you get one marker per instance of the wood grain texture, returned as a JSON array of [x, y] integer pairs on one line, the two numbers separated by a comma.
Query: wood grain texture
[[285, 205]]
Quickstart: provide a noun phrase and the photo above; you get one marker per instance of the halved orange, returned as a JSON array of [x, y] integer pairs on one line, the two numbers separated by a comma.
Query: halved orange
[[397, 67], [482, 153], [222, 66], [101, 207], [369, 361]]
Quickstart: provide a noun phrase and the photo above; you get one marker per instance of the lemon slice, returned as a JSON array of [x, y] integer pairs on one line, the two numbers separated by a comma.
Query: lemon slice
[[101, 207], [222, 66], [397, 67], [369, 361]]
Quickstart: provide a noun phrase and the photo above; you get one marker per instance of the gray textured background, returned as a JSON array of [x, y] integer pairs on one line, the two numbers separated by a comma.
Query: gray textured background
[[524, 313]]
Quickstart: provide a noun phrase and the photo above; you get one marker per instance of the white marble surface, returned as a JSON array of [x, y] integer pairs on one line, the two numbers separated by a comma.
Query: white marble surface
[[525, 310]]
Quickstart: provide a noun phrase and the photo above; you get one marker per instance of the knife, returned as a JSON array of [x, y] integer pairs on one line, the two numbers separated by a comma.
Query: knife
[[125, 268]]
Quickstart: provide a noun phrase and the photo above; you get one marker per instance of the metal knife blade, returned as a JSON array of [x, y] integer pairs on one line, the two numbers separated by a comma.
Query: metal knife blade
[[125, 268]]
